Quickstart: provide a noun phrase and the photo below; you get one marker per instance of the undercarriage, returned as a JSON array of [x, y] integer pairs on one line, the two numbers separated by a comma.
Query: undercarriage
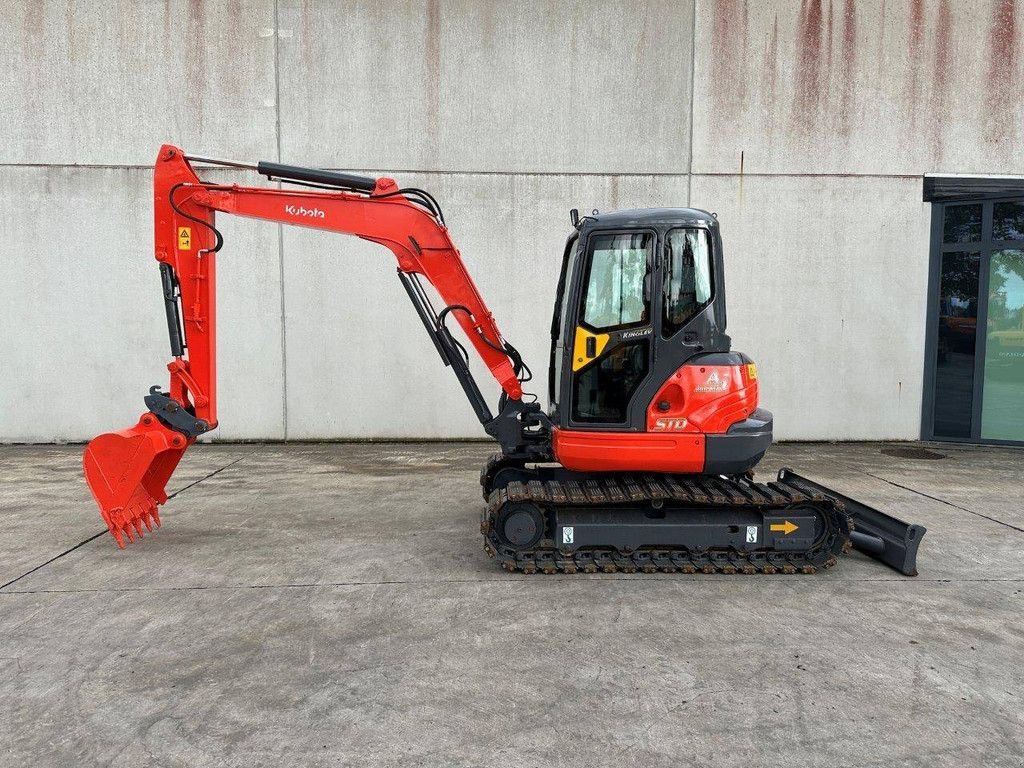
[[546, 519]]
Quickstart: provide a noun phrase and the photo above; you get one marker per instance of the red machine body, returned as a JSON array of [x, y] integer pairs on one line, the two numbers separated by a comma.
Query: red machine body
[[642, 460], [675, 436], [127, 471]]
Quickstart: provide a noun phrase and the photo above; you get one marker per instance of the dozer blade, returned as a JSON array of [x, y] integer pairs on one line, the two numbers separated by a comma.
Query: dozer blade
[[876, 534], [127, 472]]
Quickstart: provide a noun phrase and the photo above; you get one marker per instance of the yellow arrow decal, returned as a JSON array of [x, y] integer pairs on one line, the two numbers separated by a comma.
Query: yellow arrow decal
[[786, 527]]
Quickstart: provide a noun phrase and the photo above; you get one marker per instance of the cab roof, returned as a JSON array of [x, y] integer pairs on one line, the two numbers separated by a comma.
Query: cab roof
[[636, 217]]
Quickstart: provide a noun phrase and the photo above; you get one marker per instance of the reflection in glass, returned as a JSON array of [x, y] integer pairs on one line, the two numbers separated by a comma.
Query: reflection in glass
[[604, 388], [616, 282], [687, 277], [1002, 411], [954, 364], [962, 223], [1008, 221]]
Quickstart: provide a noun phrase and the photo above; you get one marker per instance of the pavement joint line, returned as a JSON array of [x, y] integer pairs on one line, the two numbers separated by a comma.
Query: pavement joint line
[[201, 479], [97, 535], [943, 501], [55, 557], [413, 582]]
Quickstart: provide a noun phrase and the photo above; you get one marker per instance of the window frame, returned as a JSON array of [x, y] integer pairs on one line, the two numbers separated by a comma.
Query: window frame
[[584, 286], [666, 278], [986, 246], [636, 414], [560, 317]]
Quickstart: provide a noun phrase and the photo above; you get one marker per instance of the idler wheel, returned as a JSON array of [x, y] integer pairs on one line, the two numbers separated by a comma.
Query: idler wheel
[[521, 525]]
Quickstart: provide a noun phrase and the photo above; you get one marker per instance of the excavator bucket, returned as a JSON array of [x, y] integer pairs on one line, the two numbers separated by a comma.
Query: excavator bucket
[[127, 472]]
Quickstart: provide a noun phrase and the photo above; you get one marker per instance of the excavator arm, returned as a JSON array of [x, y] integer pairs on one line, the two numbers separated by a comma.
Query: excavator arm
[[127, 471]]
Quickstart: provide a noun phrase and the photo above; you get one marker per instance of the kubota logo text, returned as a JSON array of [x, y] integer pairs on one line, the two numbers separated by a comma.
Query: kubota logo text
[[715, 383], [312, 213]]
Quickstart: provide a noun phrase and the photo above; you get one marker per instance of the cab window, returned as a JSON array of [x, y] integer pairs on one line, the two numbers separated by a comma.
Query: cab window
[[687, 277], [560, 322], [617, 280]]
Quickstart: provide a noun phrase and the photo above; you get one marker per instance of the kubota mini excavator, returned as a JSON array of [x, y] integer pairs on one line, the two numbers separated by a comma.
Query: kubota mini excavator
[[643, 459]]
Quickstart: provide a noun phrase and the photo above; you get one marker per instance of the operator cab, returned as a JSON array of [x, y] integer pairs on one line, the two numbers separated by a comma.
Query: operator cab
[[641, 292]]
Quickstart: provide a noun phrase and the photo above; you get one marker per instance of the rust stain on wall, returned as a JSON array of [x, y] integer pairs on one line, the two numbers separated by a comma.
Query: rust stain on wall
[[35, 21], [807, 97], [916, 22], [828, 35], [771, 69], [167, 20], [941, 72], [1001, 94], [35, 30], [913, 61], [728, 61], [848, 67], [914, 53]]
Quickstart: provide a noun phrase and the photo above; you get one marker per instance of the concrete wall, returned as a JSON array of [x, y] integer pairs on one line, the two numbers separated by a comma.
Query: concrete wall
[[812, 125], [808, 129]]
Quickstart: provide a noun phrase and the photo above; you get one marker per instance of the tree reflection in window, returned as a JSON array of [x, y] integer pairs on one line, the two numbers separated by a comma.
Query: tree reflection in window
[[616, 280], [1008, 221], [687, 277], [962, 223]]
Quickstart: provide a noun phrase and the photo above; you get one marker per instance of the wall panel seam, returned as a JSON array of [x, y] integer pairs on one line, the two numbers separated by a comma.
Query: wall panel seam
[[280, 227], [693, 83], [568, 174]]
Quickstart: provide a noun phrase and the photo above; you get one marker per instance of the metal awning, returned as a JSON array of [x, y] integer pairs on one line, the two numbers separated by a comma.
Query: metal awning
[[941, 187]]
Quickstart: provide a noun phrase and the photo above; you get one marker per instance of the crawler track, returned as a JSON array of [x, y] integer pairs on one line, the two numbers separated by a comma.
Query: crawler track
[[633, 496]]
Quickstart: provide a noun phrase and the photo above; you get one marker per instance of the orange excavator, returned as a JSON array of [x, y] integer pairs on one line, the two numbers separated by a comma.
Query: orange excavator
[[642, 461]]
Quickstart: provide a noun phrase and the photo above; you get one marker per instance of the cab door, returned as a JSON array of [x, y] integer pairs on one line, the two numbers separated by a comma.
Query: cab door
[[610, 337]]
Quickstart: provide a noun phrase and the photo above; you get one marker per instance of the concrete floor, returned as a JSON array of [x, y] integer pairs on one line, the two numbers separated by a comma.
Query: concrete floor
[[331, 605]]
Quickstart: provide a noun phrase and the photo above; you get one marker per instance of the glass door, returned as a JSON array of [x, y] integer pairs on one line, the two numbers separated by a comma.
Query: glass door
[[1002, 410], [612, 346], [978, 324]]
